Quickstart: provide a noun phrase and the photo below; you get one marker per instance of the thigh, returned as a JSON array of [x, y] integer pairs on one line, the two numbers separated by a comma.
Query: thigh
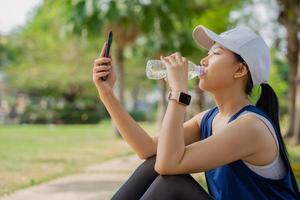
[[175, 187], [138, 182]]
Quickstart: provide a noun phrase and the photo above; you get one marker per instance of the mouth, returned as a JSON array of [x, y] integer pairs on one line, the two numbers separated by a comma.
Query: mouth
[[202, 75]]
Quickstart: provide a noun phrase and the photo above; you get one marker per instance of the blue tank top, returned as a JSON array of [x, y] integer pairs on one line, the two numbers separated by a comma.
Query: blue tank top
[[235, 181]]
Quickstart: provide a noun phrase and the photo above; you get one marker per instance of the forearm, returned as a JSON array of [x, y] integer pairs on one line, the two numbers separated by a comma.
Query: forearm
[[171, 146], [130, 130]]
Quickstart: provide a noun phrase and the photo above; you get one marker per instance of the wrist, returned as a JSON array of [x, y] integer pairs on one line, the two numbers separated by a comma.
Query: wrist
[[180, 90], [106, 94]]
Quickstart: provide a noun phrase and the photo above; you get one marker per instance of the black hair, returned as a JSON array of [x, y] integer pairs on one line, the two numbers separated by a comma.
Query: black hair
[[268, 102]]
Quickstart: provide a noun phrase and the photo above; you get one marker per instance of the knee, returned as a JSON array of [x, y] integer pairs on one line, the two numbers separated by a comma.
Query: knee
[[163, 187], [148, 165], [168, 181]]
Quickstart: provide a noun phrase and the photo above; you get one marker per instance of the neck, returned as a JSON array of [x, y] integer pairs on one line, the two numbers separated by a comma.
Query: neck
[[230, 102]]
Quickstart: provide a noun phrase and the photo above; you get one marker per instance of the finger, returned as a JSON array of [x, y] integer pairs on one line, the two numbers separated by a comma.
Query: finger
[[178, 57], [101, 68], [175, 55], [165, 60], [102, 54], [101, 74], [102, 61], [172, 60], [184, 60]]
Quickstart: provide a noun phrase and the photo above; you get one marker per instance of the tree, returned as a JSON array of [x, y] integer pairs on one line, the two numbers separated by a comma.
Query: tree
[[163, 26], [48, 60], [289, 17]]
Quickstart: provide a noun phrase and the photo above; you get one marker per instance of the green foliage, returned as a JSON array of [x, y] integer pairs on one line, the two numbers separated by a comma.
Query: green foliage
[[55, 62], [52, 63], [58, 111], [57, 48], [138, 115], [8, 53]]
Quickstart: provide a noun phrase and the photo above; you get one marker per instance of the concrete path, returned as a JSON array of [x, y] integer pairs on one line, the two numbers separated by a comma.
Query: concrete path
[[97, 182]]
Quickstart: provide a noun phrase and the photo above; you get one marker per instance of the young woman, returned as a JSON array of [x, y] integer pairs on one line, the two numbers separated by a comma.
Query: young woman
[[238, 145]]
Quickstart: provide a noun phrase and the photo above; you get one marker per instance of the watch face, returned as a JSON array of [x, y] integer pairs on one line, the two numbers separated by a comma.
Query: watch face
[[184, 98]]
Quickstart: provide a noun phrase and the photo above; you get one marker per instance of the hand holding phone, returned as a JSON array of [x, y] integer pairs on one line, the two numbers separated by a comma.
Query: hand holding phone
[[107, 50]]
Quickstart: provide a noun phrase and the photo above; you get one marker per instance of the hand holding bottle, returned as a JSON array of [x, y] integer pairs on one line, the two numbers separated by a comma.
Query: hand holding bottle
[[177, 71]]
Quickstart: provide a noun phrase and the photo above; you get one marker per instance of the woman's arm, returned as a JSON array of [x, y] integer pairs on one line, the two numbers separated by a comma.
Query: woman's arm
[[130, 130], [171, 140], [136, 137], [245, 136]]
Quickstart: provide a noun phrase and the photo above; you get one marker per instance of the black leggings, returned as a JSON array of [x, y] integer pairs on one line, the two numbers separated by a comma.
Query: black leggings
[[146, 184]]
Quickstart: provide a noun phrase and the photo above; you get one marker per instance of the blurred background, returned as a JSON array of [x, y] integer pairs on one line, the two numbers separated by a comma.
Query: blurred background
[[52, 122]]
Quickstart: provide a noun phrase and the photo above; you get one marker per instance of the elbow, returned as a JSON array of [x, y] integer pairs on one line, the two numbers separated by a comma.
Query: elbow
[[142, 157], [162, 169], [159, 169], [145, 156]]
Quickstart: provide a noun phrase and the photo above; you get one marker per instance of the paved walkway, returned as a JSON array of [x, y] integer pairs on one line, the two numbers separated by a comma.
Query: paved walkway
[[96, 182]]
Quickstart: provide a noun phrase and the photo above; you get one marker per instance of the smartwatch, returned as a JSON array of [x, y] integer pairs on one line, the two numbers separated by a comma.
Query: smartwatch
[[180, 97]]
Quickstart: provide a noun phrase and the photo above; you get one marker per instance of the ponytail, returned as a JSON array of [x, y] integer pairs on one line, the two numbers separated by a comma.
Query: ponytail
[[268, 102]]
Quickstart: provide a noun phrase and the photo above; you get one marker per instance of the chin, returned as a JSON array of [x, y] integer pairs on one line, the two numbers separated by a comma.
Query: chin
[[201, 85]]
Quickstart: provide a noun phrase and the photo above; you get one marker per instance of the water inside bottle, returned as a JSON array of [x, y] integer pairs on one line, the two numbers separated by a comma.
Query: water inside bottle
[[192, 74], [156, 70], [158, 74]]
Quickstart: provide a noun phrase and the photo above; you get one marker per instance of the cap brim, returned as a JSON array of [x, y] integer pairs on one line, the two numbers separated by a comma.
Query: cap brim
[[205, 38]]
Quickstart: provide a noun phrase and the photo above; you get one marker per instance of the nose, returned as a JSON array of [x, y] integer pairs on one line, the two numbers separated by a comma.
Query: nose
[[204, 61]]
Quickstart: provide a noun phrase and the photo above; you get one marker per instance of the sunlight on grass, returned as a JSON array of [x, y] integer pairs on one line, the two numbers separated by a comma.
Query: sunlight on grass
[[30, 154]]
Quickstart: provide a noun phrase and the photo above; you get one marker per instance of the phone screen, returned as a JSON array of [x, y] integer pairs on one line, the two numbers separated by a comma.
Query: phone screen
[[107, 51], [109, 41]]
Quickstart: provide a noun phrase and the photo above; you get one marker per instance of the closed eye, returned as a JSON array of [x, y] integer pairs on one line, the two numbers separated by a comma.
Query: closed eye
[[215, 53]]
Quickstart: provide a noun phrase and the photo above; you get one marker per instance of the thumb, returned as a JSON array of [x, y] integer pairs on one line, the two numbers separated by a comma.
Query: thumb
[[102, 54]]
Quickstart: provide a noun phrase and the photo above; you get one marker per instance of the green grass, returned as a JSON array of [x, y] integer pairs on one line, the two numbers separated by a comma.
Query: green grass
[[31, 154]]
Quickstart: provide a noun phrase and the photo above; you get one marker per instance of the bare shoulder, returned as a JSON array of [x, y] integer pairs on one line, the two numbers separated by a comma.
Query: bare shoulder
[[258, 129], [253, 122], [264, 146]]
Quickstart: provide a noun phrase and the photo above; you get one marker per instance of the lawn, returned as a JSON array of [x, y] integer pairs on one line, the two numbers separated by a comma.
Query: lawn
[[31, 154]]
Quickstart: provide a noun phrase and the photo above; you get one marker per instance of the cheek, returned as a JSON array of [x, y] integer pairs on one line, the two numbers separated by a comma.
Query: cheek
[[216, 78], [220, 69], [221, 76]]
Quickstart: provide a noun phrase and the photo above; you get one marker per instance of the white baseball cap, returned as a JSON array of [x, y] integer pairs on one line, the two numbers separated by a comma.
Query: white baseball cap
[[243, 41]]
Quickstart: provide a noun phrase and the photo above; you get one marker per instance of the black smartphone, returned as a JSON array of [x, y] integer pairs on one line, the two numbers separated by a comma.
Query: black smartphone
[[107, 51]]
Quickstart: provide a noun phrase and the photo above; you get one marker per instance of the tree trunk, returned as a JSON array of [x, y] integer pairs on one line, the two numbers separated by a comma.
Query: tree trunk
[[289, 14], [292, 55], [120, 81], [296, 135]]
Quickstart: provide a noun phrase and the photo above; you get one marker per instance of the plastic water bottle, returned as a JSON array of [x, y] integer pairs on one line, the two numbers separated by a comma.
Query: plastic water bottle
[[155, 69]]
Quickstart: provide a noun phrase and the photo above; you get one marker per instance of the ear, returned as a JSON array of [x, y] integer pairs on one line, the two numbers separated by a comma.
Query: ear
[[241, 70]]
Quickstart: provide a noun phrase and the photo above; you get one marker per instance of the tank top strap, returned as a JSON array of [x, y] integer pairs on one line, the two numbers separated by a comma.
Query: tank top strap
[[248, 108], [205, 124]]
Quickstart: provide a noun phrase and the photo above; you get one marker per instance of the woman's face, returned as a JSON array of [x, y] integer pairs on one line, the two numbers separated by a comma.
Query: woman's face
[[220, 67]]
